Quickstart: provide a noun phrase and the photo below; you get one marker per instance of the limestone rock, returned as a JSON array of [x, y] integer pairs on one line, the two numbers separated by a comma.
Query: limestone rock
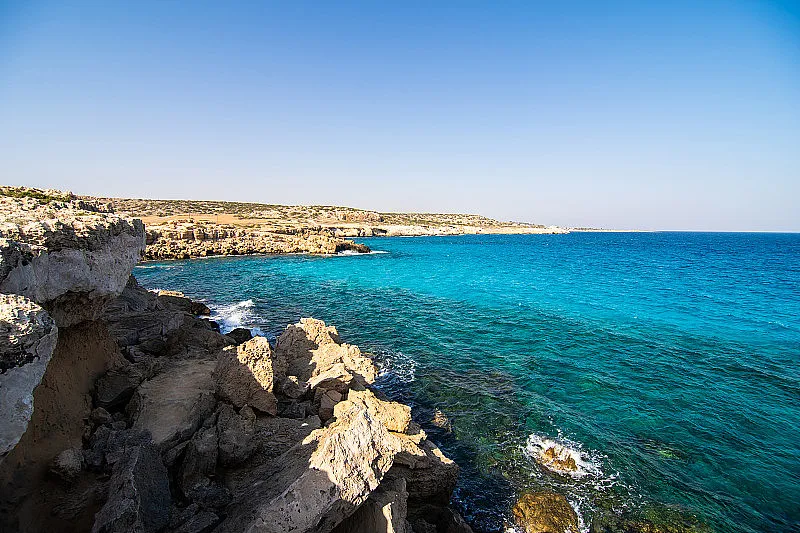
[[27, 342], [393, 415], [138, 495], [116, 386], [315, 355], [430, 475], [545, 513], [68, 255], [173, 404], [320, 481], [384, 511], [247, 375]]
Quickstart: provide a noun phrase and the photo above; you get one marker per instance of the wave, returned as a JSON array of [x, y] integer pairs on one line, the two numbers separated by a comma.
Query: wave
[[562, 457], [230, 317], [353, 252]]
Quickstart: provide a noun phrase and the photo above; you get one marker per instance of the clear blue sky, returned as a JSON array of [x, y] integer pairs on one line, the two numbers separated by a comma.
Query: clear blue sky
[[666, 115]]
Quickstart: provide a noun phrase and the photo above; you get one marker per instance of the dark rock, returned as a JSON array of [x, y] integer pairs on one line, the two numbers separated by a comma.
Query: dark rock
[[179, 515], [116, 386], [172, 455], [199, 461], [292, 387], [94, 455], [155, 346], [202, 522], [200, 309], [138, 494], [212, 495], [294, 410], [240, 335], [236, 434], [120, 440], [101, 417]]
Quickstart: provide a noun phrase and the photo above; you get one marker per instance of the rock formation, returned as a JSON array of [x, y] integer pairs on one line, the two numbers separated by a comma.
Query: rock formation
[[125, 410]]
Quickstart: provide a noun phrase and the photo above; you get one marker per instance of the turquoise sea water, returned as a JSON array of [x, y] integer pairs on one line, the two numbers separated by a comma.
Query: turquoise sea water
[[669, 361]]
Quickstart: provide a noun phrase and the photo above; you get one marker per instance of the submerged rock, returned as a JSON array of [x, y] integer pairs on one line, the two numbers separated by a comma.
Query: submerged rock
[[545, 513]]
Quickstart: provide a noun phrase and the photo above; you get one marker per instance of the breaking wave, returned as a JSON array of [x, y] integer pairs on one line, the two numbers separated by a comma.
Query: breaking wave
[[233, 316]]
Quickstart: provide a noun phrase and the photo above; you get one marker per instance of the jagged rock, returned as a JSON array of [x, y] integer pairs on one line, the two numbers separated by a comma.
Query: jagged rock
[[199, 461], [247, 375], [296, 410], [68, 464], [172, 405], [138, 495], [315, 355], [395, 416], [384, 511], [69, 256], [175, 300], [320, 481], [430, 475], [292, 388], [327, 402], [236, 433], [27, 342], [240, 335], [437, 518], [545, 513]]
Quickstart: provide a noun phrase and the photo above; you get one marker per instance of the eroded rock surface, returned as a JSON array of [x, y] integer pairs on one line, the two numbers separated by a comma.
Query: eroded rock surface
[[68, 255], [27, 341]]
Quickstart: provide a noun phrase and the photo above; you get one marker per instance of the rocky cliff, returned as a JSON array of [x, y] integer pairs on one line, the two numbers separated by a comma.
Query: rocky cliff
[[125, 410]]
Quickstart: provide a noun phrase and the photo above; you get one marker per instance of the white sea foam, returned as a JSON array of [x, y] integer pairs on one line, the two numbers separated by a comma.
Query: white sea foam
[[562, 456], [233, 316], [397, 365], [353, 252]]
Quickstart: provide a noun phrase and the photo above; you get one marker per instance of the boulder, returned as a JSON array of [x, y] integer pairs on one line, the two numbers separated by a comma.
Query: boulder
[[545, 513], [240, 335], [138, 494], [172, 405], [68, 464], [246, 375], [203, 522], [27, 342]]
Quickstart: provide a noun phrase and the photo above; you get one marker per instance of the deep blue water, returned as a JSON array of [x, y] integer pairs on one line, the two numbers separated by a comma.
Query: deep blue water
[[670, 361]]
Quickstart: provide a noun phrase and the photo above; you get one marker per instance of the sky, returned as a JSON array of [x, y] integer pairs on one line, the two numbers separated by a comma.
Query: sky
[[648, 115]]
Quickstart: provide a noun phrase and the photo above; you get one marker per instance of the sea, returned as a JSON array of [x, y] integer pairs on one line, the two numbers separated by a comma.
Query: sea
[[666, 364]]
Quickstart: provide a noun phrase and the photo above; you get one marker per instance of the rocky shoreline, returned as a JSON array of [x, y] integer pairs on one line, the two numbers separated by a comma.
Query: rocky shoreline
[[180, 229], [125, 410]]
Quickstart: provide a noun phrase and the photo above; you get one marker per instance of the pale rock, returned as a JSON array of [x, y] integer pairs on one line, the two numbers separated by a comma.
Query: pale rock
[[247, 374], [27, 341]]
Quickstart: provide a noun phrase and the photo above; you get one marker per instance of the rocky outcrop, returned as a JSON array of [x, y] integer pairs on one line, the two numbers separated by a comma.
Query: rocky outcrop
[[63, 255], [69, 256]]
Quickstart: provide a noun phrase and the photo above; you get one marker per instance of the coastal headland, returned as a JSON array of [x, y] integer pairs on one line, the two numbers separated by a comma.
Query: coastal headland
[[180, 229]]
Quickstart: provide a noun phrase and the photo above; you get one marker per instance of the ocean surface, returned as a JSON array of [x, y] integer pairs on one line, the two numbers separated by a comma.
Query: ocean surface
[[668, 364]]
